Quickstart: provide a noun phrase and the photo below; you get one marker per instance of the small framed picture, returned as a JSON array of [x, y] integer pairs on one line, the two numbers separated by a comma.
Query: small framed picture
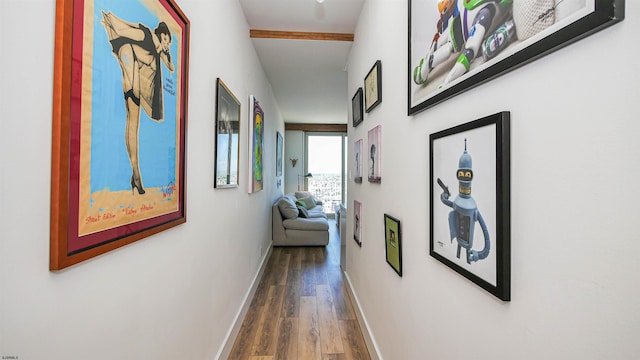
[[393, 242], [356, 107], [279, 149], [373, 87], [357, 222], [358, 162], [469, 202], [227, 139], [375, 154]]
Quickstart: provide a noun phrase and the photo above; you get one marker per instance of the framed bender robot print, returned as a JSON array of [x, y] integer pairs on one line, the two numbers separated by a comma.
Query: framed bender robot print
[[470, 202]]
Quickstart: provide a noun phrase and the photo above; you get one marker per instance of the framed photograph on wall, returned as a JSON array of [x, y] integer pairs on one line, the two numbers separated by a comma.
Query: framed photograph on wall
[[375, 154], [393, 242], [448, 54], [356, 108], [373, 87], [118, 146], [227, 137], [470, 229], [279, 153], [358, 161], [256, 145], [357, 222]]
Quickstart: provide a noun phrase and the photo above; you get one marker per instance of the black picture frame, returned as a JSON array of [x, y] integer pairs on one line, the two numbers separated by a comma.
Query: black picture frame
[[373, 87], [356, 108], [227, 153], [484, 144], [554, 28], [393, 243], [279, 153]]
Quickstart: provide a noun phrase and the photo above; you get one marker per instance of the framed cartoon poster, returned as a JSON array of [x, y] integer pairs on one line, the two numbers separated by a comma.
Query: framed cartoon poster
[[256, 145], [455, 45], [469, 201], [119, 125]]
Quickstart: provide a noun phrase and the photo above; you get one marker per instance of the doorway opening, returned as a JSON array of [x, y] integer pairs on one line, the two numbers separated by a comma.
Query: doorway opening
[[325, 163]]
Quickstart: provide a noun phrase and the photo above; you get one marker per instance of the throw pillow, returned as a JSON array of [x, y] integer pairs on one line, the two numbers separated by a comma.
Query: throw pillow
[[302, 194], [288, 208], [300, 203], [309, 202], [303, 213]]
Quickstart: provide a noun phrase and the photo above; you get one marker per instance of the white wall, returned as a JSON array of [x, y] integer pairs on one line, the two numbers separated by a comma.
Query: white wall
[[574, 164], [174, 295]]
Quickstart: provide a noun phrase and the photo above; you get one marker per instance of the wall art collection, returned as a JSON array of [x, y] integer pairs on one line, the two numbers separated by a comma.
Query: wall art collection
[[453, 46], [118, 149]]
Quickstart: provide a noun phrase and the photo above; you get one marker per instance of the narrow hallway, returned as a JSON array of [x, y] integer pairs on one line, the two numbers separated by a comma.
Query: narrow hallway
[[301, 309]]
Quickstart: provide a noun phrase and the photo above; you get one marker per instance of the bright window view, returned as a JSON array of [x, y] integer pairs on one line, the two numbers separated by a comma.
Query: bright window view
[[324, 162]]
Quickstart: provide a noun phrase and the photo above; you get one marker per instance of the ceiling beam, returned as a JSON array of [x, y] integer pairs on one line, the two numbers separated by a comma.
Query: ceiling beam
[[298, 35], [342, 128]]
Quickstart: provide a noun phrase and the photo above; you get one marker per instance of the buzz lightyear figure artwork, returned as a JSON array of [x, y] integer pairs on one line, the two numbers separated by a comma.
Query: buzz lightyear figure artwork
[[465, 213], [463, 27]]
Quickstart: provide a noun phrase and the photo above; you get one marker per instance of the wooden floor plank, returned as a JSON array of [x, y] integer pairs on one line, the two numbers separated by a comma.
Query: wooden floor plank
[[308, 330], [287, 346], [330, 337], [341, 300], [244, 341], [355, 348], [308, 274], [266, 336]]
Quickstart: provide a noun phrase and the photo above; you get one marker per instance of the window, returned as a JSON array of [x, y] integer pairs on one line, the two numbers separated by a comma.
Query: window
[[325, 160]]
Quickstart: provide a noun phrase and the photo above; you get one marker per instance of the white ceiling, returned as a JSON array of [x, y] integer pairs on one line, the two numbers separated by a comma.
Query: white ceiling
[[308, 77]]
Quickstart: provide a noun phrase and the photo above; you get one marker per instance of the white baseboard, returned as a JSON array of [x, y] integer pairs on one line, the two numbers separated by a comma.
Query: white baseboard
[[227, 345], [369, 340]]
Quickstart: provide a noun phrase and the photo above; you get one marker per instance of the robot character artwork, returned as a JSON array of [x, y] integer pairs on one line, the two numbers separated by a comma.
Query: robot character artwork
[[465, 212], [470, 28]]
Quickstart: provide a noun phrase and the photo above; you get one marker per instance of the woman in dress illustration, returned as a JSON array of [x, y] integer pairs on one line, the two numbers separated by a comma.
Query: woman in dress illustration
[[139, 52]]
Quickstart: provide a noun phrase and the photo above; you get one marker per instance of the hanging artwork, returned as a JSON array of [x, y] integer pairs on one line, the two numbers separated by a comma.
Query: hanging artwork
[[375, 154], [279, 151], [393, 242], [469, 201], [256, 145], [357, 222], [227, 137], [455, 45], [119, 125], [358, 161]]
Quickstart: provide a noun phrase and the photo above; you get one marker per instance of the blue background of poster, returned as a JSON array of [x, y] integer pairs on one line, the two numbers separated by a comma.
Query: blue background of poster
[[110, 167]]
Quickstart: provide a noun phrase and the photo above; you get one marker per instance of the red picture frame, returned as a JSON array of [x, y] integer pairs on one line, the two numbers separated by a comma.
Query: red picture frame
[[90, 213]]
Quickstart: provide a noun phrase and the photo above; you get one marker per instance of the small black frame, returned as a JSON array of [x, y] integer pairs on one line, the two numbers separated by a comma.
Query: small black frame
[[356, 108], [373, 87]]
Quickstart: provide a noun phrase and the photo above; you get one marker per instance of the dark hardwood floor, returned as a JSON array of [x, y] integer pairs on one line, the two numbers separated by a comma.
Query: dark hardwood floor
[[301, 309]]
